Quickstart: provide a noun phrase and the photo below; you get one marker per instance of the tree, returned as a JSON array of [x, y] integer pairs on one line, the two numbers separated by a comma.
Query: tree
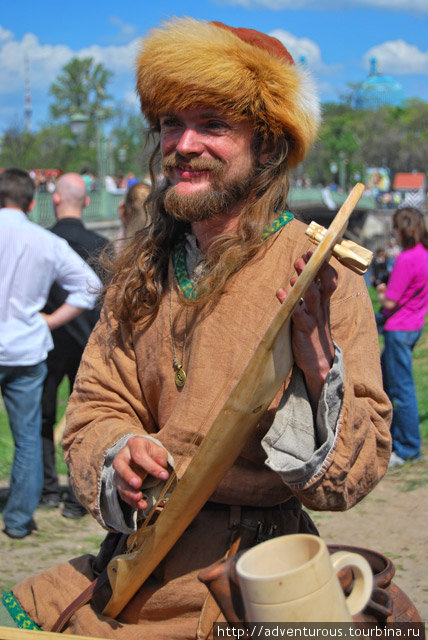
[[391, 137], [19, 149], [132, 143], [81, 87]]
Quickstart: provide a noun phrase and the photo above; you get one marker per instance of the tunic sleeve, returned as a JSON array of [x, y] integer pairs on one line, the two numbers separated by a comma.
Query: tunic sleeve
[[106, 405], [359, 456]]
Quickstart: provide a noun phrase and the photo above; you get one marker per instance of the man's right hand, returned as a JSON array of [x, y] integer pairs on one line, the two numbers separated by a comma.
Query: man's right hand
[[138, 458]]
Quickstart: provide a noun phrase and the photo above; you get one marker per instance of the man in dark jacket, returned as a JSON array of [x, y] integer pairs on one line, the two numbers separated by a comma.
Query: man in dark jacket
[[69, 200]]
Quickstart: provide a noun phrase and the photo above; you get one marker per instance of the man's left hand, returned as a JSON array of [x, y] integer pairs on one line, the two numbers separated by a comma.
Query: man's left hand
[[312, 343]]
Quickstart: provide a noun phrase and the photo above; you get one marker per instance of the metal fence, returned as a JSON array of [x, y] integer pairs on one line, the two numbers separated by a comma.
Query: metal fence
[[102, 207]]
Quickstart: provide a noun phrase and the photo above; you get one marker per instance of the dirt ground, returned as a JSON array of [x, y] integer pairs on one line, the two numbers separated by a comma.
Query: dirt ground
[[393, 520]]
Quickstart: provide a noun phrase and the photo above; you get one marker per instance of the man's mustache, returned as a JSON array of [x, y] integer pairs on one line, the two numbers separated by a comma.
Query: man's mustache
[[174, 160]]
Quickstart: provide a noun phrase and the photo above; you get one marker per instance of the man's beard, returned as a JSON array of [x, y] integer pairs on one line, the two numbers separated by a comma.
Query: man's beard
[[216, 200]]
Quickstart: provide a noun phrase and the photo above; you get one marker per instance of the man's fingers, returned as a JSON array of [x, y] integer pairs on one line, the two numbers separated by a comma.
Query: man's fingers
[[327, 276], [138, 458], [150, 457], [132, 497], [281, 294]]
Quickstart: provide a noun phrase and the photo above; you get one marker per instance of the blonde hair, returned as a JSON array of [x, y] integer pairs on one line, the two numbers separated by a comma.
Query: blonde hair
[[134, 212]]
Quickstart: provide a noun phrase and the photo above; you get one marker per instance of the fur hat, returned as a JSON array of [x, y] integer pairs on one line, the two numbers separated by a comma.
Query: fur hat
[[243, 72]]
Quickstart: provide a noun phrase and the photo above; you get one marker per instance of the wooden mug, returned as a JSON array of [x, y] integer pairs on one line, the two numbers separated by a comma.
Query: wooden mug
[[293, 578]]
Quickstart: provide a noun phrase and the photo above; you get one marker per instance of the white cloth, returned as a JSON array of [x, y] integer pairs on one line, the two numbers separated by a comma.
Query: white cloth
[[31, 260]]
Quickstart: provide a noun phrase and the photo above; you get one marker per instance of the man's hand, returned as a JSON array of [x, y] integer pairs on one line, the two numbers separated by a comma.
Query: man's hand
[[312, 344], [138, 458], [61, 316]]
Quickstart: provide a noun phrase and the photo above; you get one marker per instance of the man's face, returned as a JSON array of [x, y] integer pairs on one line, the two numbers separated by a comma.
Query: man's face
[[208, 163]]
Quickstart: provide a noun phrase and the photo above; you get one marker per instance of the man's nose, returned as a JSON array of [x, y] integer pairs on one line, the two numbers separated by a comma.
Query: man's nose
[[190, 142]]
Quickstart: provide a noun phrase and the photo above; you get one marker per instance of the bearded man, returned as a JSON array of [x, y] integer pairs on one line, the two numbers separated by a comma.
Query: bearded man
[[189, 300]]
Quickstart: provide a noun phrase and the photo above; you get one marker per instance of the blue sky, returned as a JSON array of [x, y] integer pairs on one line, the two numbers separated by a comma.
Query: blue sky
[[337, 43]]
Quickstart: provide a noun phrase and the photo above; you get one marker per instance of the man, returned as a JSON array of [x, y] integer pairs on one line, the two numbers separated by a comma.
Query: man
[[31, 259], [187, 306], [69, 200]]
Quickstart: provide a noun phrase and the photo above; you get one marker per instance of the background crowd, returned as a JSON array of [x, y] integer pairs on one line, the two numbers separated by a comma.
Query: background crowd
[[49, 296]]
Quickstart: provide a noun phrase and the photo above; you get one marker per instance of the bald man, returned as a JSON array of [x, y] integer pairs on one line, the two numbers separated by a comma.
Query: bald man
[[69, 200]]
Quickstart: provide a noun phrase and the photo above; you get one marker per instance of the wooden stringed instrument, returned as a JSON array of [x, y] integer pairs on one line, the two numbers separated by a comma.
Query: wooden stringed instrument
[[249, 399]]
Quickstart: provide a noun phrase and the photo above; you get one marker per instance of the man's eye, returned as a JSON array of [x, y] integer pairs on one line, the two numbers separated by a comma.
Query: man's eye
[[216, 124], [169, 122]]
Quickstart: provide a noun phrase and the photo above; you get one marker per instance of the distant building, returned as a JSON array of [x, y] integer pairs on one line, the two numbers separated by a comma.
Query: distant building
[[378, 90], [412, 187]]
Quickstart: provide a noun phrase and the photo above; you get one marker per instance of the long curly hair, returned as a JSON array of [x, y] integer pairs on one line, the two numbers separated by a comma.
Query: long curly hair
[[139, 274]]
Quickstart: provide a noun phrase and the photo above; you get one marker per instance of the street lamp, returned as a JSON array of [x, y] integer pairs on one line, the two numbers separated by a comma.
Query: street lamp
[[342, 169], [78, 124]]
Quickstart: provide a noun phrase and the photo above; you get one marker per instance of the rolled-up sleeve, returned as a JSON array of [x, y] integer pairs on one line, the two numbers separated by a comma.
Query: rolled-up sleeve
[[76, 277]]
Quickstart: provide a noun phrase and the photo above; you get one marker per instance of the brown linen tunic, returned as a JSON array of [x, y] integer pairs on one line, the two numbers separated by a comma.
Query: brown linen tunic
[[125, 386]]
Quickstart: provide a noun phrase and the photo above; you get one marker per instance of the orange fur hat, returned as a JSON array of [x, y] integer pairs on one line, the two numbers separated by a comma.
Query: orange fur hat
[[243, 72]]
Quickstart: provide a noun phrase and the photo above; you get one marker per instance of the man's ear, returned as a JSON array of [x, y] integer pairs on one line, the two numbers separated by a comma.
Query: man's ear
[[87, 201], [31, 206], [266, 150], [56, 198]]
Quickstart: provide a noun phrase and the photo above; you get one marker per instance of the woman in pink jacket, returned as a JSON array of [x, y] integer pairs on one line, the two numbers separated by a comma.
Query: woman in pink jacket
[[405, 299]]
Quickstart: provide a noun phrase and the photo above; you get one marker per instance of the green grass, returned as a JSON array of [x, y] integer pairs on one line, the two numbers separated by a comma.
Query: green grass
[[420, 372], [420, 367], [6, 440]]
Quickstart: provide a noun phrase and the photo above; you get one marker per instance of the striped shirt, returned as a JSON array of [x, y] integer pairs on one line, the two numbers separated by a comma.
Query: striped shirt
[[31, 260]]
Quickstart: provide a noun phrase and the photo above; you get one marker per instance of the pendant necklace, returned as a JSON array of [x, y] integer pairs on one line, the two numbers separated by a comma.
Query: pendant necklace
[[180, 374]]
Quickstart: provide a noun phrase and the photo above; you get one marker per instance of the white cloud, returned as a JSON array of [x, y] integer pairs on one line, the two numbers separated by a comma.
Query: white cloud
[[328, 5], [399, 58], [126, 32], [45, 63], [116, 58], [304, 48], [5, 34], [47, 60]]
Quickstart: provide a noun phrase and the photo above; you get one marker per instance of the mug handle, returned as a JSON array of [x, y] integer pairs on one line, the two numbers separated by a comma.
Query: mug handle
[[363, 578]]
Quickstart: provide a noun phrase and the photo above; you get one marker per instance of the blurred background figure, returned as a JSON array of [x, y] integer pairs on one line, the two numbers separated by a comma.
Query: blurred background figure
[[405, 301], [132, 214], [379, 268], [392, 251], [88, 178], [131, 179], [69, 200], [31, 260]]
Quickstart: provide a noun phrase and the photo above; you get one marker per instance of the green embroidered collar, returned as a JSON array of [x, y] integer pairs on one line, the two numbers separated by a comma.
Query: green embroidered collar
[[179, 254], [19, 616]]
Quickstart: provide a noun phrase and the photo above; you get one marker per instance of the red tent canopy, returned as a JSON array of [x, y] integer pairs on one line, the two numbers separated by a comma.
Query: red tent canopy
[[409, 181]]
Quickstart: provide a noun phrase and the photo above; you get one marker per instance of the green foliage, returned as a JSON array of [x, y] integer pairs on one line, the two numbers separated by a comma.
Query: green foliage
[[131, 142], [393, 137], [81, 87], [19, 149], [6, 440]]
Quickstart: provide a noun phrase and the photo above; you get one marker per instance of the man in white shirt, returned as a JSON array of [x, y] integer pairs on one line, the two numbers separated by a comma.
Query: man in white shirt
[[31, 260]]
